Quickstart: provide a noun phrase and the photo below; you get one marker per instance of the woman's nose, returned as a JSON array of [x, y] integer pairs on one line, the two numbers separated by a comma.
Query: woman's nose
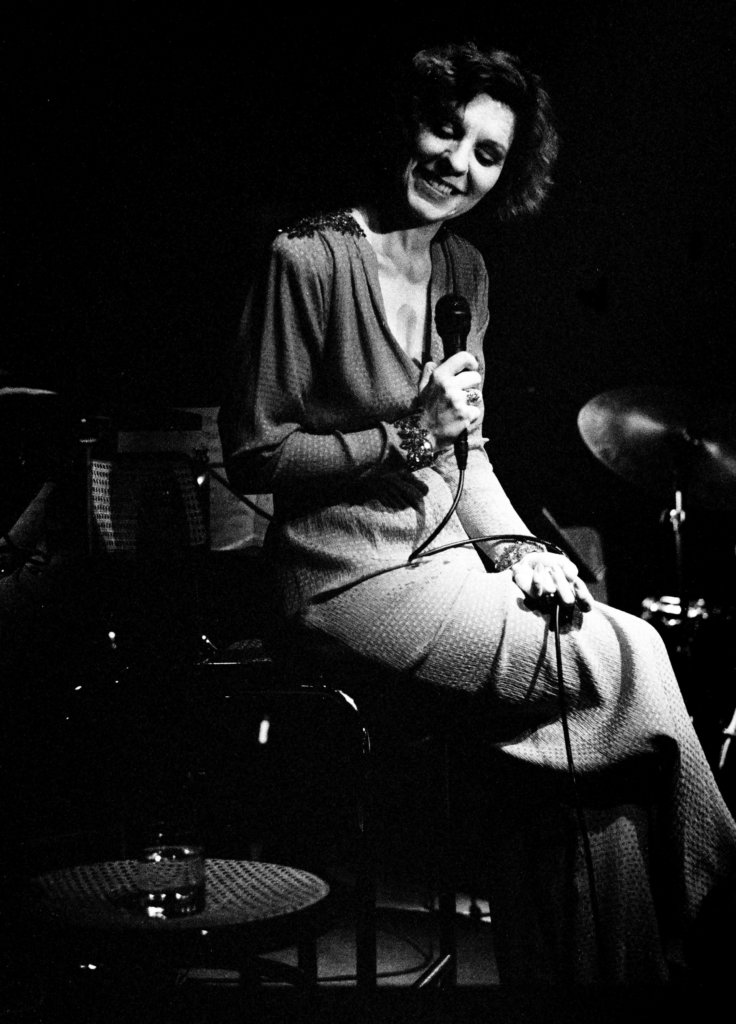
[[458, 156]]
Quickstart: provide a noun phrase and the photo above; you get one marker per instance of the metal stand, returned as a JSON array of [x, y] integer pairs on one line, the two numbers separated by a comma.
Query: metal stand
[[683, 449]]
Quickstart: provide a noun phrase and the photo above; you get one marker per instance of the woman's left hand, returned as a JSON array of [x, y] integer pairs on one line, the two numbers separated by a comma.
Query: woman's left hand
[[544, 576]]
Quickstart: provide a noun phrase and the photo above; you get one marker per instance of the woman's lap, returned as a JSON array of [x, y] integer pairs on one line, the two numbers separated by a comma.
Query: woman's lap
[[470, 635], [468, 632]]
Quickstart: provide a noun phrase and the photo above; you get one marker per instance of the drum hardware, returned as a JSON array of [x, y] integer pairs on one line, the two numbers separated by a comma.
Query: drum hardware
[[729, 733], [665, 614], [673, 444], [667, 611], [656, 437], [679, 446]]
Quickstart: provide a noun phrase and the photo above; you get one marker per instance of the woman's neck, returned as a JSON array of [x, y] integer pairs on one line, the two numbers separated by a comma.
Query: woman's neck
[[396, 242]]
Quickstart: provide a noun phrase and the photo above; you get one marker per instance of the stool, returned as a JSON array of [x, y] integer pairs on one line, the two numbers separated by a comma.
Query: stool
[[251, 908], [304, 666], [397, 712]]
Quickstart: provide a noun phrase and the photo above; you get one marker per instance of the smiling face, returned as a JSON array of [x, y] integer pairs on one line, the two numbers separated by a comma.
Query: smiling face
[[454, 164]]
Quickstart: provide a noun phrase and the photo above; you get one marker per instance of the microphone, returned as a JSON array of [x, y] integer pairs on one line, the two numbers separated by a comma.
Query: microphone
[[452, 320]]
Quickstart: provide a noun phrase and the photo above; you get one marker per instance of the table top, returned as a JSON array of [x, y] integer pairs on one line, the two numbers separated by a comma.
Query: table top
[[238, 893]]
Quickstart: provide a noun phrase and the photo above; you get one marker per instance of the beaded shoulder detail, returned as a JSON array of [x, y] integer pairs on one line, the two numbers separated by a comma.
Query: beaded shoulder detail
[[340, 220]]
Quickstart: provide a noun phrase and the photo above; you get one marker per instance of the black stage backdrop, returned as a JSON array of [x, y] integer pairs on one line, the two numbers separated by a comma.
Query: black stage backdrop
[[154, 152]]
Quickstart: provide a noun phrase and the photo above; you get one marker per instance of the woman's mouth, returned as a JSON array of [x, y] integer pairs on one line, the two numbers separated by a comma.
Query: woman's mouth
[[435, 185]]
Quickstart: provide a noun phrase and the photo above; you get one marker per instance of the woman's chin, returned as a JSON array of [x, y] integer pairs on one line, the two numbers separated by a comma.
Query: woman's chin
[[429, 211]]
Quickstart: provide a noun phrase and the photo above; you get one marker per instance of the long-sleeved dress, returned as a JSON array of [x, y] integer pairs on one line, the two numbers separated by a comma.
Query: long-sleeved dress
[[310, 417]]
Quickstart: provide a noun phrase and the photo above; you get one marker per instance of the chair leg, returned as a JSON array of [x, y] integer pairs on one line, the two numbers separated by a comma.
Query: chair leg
[[366, 959], [444, 970], [366, 935]]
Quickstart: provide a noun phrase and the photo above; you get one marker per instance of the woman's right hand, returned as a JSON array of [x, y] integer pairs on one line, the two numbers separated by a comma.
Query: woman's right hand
[[443, 406]]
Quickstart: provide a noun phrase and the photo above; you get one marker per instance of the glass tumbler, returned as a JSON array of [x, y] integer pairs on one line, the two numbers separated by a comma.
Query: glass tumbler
[[171, 877]]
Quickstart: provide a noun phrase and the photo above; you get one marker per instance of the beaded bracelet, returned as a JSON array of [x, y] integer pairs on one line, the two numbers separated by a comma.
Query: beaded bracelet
[[514, 553], [415, 442]]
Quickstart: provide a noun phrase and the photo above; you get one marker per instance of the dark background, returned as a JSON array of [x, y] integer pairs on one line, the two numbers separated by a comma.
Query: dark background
[[154, 152]]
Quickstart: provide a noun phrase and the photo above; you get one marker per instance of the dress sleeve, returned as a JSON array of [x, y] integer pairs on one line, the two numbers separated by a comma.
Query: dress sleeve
[[484, 508], [272, 439]]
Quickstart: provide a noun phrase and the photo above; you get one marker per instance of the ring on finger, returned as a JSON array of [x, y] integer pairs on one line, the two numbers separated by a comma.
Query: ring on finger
[[473, 396]]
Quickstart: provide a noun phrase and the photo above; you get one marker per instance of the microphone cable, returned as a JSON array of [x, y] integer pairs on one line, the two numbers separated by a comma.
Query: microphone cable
[[555, 624], [562, 700], [577, 799], [452, 319], [564, 719], [438, 529], [211, 470]]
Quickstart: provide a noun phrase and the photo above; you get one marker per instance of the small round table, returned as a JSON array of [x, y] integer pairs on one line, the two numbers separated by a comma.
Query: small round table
[[251, 908]]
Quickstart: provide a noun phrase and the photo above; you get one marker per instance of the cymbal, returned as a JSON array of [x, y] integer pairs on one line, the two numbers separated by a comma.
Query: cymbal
[[663, 439]]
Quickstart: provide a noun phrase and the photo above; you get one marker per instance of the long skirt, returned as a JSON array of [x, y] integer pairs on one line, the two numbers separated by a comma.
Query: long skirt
[[660, 834]]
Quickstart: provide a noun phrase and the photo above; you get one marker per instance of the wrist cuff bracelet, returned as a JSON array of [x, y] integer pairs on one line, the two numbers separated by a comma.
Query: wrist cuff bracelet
[[514, 553], [415, 442]]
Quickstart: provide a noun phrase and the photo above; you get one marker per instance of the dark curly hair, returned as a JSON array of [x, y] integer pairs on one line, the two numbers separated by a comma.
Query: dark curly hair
[[443, 78]]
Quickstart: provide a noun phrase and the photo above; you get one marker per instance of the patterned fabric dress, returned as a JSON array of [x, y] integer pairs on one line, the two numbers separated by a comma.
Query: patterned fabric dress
[[319, 383]]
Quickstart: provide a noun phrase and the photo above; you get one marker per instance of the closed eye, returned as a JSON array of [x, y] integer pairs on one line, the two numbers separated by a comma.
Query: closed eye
[[491, 156]]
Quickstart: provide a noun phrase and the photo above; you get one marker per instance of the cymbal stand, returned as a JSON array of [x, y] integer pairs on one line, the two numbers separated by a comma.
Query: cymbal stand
[[683, 449], [729, 733], [677, 517]]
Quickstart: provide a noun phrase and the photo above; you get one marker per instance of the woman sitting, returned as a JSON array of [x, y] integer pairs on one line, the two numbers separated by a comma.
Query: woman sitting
[[345, 406]]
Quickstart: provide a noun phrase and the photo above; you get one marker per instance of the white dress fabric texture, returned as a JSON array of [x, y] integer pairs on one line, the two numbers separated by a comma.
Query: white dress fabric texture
[[309, 416]]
